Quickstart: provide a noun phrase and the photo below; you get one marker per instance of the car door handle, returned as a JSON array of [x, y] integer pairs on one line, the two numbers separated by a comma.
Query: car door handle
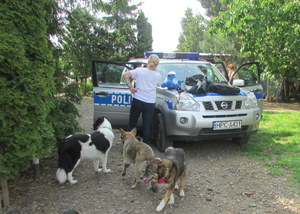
[[102, 93]]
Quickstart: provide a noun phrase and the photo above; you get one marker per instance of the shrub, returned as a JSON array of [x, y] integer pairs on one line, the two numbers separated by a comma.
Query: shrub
[[26, 85]]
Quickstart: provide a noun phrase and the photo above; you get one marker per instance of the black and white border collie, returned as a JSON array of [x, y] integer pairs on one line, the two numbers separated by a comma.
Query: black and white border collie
[[93, 146]]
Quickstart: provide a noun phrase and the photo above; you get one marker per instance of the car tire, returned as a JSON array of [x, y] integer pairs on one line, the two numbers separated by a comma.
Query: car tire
[[241, 140], [161, 138]]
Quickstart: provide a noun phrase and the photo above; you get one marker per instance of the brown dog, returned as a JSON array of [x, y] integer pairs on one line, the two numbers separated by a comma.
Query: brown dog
[[168, 170], [135, 152]]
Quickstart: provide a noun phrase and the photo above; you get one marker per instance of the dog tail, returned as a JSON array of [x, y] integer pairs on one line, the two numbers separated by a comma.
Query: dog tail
[[61, 175]]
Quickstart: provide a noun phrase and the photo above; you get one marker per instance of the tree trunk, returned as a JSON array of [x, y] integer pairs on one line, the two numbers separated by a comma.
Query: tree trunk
[[5, 193], [287, 89], [85, 91], [280, 91]]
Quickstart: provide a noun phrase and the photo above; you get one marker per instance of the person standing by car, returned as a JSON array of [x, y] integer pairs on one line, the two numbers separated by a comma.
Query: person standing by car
[[231, 71], [144, 95]]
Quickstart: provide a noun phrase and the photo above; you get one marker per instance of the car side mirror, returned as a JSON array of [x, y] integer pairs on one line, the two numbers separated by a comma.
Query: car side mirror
[[238, 82]]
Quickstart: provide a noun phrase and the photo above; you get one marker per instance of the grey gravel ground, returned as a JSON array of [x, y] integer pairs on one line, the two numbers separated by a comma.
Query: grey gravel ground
[[220, 180]]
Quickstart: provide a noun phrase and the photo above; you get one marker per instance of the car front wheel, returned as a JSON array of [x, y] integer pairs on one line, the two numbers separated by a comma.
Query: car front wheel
[[162, 140]]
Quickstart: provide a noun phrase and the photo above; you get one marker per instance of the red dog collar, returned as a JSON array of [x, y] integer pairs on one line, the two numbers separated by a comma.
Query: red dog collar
[[161, 180]]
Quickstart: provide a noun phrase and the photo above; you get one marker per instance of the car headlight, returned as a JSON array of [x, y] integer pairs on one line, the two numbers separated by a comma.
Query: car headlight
[[187, 103], [251, 101]]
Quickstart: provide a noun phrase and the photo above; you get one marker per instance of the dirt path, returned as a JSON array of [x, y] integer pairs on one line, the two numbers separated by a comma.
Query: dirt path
[[220, 180]]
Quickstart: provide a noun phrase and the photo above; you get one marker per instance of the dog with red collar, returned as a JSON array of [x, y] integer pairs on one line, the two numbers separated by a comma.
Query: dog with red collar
[[169, 169]]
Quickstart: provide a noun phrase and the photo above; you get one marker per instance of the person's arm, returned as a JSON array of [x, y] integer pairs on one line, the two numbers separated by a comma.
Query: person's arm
[[126, 76]]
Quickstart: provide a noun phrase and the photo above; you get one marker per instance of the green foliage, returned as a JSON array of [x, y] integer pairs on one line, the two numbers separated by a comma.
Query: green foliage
[[63, 118], [32, 70], [64, 114], [144, 36], [278, 142], [72, 92], [195, 37], [192, 32], [84, 41], [26, 85], [121, 33], [120, 20], [86, 88], [214, 7], [215, 43], [269, 31], [130, 32]]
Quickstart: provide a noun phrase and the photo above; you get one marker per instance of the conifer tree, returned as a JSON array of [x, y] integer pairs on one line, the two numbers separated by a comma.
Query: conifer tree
[[144, 35], [26, 85]]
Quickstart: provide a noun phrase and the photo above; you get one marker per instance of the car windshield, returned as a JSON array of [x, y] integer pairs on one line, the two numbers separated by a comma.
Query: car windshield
[[184, 70], [110, 74]]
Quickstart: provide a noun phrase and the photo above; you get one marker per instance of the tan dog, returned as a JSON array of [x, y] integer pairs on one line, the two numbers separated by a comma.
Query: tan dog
[[169, 170], [136, 152]]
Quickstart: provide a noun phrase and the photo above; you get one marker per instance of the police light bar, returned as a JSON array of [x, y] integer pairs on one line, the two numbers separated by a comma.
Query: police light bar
[[212, 55], [175, 55], [183, 55]]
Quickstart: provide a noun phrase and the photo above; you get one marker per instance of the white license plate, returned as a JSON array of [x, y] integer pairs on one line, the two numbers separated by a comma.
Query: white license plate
[[221, 125]]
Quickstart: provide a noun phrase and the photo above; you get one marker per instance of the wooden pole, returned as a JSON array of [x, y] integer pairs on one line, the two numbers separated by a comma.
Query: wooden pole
[[5, 192]]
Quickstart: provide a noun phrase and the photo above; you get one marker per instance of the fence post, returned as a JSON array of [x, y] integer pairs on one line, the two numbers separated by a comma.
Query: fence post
[[5, 193], [36, 167]]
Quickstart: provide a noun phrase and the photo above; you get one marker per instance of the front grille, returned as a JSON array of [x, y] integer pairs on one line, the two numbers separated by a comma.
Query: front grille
[[238, 105], [222, 105], [227, 105], [208, 106]]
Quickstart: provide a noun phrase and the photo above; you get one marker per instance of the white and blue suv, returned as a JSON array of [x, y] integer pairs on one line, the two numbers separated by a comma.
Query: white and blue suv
[[183, 114]]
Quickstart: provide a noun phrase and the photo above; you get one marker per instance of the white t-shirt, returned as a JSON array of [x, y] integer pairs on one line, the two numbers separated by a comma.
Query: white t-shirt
[[146, 83]]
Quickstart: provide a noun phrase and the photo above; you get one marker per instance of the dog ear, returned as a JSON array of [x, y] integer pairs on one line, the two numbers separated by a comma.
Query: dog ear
[[122, 131], [134, 131], [97, 123]]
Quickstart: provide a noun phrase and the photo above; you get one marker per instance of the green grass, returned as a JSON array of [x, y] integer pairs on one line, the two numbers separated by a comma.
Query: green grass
[[278, 143]]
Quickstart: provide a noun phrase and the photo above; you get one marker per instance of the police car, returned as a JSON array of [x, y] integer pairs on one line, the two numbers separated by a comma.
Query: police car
[[180, 114]]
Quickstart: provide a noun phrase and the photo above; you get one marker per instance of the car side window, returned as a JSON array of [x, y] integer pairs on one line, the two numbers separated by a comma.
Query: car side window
[[122, 80], [221, 68], [109, 73]]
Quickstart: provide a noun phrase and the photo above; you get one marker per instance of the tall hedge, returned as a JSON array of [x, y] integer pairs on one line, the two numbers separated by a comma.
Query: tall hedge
[[26, 85]]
